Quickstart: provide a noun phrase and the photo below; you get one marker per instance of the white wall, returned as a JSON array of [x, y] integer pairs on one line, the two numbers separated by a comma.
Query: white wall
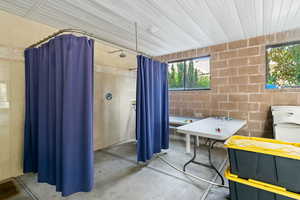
[[114, 120], [16, 34]]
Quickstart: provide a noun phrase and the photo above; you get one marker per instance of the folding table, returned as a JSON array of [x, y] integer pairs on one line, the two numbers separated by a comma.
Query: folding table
[[176, 121], [214, 130]]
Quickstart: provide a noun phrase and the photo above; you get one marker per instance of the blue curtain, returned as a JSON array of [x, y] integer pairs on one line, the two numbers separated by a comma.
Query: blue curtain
[[58, 135], [152, 110]]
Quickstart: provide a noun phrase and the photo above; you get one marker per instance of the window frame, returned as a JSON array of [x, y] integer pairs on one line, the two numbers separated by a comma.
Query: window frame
[[267, 47], [184, 77]]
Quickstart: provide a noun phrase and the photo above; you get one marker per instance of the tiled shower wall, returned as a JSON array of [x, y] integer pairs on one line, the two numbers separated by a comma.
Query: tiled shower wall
[[238, 76], [114, 120]]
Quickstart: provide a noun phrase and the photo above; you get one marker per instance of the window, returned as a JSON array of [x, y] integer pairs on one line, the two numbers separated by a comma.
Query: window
[[283, 65], [193, 74]]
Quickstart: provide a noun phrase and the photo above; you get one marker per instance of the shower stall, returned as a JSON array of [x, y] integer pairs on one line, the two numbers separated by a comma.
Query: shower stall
[[114, 114], [75, 104]]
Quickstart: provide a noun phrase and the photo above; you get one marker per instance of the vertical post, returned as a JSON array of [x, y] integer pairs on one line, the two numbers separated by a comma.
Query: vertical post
[[136, 37], [187, 143], [197, 141]]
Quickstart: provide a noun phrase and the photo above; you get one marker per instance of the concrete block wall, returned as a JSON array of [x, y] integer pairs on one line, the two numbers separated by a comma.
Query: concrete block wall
[[238, 77]]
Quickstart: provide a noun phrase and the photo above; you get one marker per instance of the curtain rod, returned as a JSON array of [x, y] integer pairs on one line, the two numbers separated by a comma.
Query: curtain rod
[[74, 30], [136, 44]]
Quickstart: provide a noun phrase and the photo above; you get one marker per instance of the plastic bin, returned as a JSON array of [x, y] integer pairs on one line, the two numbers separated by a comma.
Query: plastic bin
[[241, 189], [286, 123], [287, 132], [267, 160], [285, 108]]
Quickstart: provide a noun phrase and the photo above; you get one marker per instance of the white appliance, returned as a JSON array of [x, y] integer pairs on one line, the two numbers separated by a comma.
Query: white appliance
[[286, 123]]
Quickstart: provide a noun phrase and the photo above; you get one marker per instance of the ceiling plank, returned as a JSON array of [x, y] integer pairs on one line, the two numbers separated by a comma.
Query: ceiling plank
[[225, 14], [164, 26], [204, 19], [176, 15], [244, 11], [123, 23], [36, 5], [88, 21], [146, 19], [258, 15]]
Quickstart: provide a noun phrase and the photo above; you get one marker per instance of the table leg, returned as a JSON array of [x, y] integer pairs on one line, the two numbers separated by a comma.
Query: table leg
[[210, 147], [187, 143], [198, 141], [194, 155], [210, 165]]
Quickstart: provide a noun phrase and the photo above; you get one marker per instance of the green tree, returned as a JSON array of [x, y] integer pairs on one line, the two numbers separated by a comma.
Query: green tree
[[172, 77], [190, 78], [204, 81], [180, 75], [196, 78], [283, 67], [295, 50], [193, 77]]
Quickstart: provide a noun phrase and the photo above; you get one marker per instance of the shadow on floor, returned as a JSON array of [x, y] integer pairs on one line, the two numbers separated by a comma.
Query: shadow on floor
[[8, 190]]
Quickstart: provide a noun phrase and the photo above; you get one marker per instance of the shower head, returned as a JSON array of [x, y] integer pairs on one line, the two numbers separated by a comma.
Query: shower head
[[122, 54]]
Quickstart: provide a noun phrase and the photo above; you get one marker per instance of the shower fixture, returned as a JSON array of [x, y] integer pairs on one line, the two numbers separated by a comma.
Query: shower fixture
[[122, 53], [108, 96]]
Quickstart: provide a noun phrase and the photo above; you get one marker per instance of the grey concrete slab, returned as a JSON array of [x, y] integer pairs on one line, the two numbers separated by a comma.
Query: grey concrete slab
[[217, 193], [118, 176]]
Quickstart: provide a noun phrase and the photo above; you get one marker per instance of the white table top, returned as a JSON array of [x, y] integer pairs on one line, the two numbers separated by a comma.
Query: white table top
[[181, 120], [207, 128]]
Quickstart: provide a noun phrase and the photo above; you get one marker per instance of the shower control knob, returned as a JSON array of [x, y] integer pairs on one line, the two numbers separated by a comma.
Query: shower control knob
[[108, 96]]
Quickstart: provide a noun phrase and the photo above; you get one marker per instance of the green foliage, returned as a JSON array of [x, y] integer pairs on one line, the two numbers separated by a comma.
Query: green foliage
[[296, 55], [193, 78], [284, 66], [172, 77], [191, 74], [180, 74], [176, 75], [204, 82]]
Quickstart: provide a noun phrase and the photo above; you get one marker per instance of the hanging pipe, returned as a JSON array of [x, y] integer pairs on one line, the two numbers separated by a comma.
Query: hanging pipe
[[189, 174]]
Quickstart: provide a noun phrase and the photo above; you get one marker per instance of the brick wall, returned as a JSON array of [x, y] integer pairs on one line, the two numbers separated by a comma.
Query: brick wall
[[238, 76]]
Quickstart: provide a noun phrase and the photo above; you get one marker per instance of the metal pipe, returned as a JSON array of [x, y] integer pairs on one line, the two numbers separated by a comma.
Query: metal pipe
[[26, 189], [74, 30], [188, 174], [136, 37]]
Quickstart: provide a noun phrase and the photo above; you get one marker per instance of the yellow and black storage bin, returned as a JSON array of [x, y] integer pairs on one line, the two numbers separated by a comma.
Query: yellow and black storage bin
[[265, 160], [242, 189]]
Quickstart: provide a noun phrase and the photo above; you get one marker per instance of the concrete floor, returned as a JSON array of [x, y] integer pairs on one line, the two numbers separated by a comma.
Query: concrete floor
[[118, 176]]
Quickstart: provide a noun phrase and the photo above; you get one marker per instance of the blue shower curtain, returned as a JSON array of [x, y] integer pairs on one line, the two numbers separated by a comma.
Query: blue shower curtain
[[58, 135], [152, 110]]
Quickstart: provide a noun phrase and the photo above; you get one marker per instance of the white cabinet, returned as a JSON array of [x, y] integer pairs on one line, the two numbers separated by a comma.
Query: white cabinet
[[286, 123]]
